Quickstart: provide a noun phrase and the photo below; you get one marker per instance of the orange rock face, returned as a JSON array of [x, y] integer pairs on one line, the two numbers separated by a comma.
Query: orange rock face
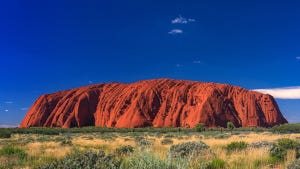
[[158, 103]]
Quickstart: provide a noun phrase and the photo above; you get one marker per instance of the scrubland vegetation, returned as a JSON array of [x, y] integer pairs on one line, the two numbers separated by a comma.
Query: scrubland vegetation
[[151, 148]]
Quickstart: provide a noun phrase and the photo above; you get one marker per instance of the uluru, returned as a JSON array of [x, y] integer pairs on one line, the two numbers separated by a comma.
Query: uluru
[[157, 103]]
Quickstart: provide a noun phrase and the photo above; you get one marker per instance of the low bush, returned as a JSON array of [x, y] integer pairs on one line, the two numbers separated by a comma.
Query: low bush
[[236, 146], [4, 133], [142, 141], [287, 128], [200, 127], [145, 160], [66, 142], [261, 144], [166, 141], [222, 136], [216, 164], [88, 159], [44, 138], [266, 161], [124, 151], [12, 151], [190, 150], [279, 150], [169, 136]]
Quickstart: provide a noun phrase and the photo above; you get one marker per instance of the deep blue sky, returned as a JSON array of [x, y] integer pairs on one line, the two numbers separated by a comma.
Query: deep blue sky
[[46, 46]]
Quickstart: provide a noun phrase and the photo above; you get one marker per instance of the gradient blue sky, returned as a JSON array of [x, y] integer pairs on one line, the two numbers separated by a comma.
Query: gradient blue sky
[[46, 46]]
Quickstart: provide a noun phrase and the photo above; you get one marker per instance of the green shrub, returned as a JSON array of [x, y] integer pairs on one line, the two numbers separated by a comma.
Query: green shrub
[[4, 133], [13, 151], [141, 141], [200, 127], [166, 141], [230, 125], [266, 161], [236, 146], [222, 136], [125, 150], [216, 164], [88, 159], [169, 136], [294, 164], [44, 138], [287, 143], [190, 150], [287, 128], [279, 150], [66, 141], [145, 160], [258, 163]]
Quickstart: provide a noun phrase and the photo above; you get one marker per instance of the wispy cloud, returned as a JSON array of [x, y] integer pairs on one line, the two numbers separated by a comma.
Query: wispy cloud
[[196, 61], [178, 65], [282, 93], [24, 108], [298, 57], [182, 20], [6, 110], [90, 82], [175, 31], [8, 125], [9, 102]]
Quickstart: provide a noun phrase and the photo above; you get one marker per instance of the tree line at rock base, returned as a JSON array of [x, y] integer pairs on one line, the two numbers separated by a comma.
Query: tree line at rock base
[[284, 128]]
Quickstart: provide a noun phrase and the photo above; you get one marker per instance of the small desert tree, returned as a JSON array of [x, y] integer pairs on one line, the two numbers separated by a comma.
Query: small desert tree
[[230, 126], [200, 127]]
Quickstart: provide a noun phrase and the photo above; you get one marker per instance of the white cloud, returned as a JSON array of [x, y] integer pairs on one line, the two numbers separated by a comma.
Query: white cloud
[[178, 65], [175, 31], [197, 61], [90, 82], [282, 93], [298, 57], [6, 110], [191, 20], [24, 108], [9, 102], [8, 125], [182, 20]]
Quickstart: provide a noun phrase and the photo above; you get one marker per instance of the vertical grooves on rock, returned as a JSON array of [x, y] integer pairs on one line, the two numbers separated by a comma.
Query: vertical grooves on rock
[[159, 103]]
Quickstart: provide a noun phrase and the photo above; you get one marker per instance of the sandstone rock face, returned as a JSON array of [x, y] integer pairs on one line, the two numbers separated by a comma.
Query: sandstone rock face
[[158, 103]]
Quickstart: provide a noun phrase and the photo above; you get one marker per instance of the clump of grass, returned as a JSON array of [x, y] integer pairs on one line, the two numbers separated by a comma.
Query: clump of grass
[[216, 163], [5, 133], [58, 139], [124, 150], [88, 138], [190, 150], [88, 159], [222, 136], [236, 146], [142, 141], [126, 139], [266, 161], [66, 141], [146, 160], [12, 151], [166, 141], [281, 148], [261, 144], [44, 138]]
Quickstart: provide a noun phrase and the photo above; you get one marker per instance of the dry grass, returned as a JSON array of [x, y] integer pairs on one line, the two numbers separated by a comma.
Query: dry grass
[[49, 149], [107, 145], [248, 138], [246, 159]]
